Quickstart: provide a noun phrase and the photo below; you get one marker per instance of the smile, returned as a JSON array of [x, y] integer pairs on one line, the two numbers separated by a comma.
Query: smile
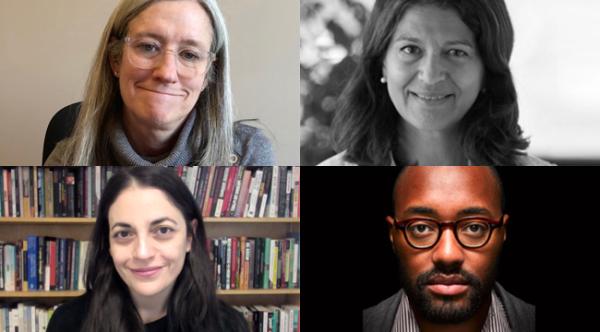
[[162, 92], [146, 272], [428, 98]]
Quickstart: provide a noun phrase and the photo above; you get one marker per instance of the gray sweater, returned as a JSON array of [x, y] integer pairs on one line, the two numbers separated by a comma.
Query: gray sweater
[[251, 148], [521, 316]]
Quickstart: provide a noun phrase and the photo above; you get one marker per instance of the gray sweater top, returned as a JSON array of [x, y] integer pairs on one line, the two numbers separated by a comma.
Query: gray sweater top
[[251, 148]]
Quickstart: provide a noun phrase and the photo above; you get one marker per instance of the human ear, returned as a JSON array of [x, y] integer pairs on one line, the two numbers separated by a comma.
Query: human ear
[[390, 222], [505, 218], [115, 63], [191, 236]]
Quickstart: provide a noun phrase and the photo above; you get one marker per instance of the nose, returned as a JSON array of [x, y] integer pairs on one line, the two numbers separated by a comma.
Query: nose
[[166, 68], [143, 249], [431, 69], [448, 252]]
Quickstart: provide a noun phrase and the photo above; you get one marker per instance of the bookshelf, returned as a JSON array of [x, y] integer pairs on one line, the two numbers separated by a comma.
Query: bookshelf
[[13, 229]]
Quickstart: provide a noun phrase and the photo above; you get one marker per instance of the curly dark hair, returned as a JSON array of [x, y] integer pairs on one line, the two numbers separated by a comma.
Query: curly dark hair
[[366, 122]]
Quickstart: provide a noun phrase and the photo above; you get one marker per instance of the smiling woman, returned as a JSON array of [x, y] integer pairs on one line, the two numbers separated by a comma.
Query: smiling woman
[[432, 87], [147, 268], [159, 93]]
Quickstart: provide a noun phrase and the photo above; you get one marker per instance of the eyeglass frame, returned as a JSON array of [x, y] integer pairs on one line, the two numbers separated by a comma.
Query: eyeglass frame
[[452, 223], [210, 59]]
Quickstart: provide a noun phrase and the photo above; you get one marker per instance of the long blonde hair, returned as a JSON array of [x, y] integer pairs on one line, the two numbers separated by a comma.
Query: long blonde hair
[[212, 136]]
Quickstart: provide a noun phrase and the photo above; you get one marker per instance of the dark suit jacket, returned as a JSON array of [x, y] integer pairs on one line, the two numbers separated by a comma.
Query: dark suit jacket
[[521, 315]]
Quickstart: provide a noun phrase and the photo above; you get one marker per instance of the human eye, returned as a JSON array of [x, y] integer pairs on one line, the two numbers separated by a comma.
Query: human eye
[[163, 231], [191, 55], [457, 53], [410, 50], [122, 235], [422, 228], [147, 47], [474, 228]]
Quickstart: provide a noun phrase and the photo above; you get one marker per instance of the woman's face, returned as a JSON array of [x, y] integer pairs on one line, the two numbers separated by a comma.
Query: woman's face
[[162, 97], [148, 241], [432, 67]]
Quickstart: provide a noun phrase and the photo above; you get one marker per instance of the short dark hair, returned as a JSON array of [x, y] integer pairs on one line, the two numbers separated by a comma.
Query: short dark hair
[[495, 174], [366, 122], [192, 305]]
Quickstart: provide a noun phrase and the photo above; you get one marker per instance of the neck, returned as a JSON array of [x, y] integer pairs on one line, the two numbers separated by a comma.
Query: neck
[[436, 147], [474, 323], [150, 142], [151, 308]]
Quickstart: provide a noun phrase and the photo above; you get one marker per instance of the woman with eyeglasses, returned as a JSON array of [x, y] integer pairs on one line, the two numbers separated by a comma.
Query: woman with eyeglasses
[[159, 93], [147, 265]]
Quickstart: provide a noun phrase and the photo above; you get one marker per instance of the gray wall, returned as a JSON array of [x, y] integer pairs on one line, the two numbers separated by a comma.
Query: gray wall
[[47, 49]]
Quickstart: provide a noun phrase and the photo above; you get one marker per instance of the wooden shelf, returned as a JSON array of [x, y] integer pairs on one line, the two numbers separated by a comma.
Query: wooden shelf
[[282, 291], [39, 294], [67, 294], [79, 221]]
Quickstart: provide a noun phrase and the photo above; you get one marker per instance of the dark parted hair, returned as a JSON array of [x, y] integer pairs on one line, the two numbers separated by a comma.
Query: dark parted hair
[[192, 305], [366, 122]]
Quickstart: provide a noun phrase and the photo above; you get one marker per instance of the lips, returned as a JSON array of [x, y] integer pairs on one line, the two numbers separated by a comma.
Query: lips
[[169, 93], [431, 97], [146, 271], [447, 285]]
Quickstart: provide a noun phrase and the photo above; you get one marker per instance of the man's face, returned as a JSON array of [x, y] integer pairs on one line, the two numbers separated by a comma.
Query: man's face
[[447, 283]]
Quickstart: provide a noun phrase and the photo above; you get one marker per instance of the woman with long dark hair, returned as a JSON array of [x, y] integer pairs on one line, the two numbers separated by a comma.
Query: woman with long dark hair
[[433, 87], [147, 267]]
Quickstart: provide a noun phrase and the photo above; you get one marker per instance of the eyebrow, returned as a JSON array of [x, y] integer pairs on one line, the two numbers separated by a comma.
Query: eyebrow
[[430, 212], [190, 42], [411, 39], [152, 223]]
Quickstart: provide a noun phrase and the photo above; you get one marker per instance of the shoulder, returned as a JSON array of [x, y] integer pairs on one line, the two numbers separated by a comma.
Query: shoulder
[[231, 319], [252, 146], [529, 160], [521, 315], [56, 156], [69, 316], [337, 160], [380, 317]]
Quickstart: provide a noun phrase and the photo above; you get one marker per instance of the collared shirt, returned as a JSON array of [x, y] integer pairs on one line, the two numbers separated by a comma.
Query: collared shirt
[[405, 320]]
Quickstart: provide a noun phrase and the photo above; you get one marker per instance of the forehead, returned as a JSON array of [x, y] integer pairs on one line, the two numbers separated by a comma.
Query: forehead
[[430, 22], [447, 189], [174, 21], [141, 205]]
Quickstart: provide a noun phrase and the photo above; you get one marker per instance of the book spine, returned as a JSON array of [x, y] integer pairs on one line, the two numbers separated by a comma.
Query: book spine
[[282, 188], [32, 251], [231, 180], [241, 204], [40, 262], [1, 266]]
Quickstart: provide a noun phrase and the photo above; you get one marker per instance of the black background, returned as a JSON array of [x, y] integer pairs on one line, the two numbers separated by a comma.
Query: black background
[[550, 258]]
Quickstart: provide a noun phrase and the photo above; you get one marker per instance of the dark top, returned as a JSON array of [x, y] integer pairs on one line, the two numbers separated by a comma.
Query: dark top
[[69, 317], [520, 315]]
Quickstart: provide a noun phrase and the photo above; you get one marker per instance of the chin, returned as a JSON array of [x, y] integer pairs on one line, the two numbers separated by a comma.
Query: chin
[[147, 290]]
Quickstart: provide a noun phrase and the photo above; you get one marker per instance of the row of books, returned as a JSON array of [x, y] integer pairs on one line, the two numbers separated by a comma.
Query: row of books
[[29, 318], [236, 191], [25, 318], [245, 191], [248, 262], [48, 263], [271, 318], [42, 263]]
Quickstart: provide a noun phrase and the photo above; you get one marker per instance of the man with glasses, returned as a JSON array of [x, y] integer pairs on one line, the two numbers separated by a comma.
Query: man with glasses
[[447, 233]]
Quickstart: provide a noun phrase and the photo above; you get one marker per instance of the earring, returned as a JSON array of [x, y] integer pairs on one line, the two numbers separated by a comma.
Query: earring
[[116, 74], [382, 80]]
